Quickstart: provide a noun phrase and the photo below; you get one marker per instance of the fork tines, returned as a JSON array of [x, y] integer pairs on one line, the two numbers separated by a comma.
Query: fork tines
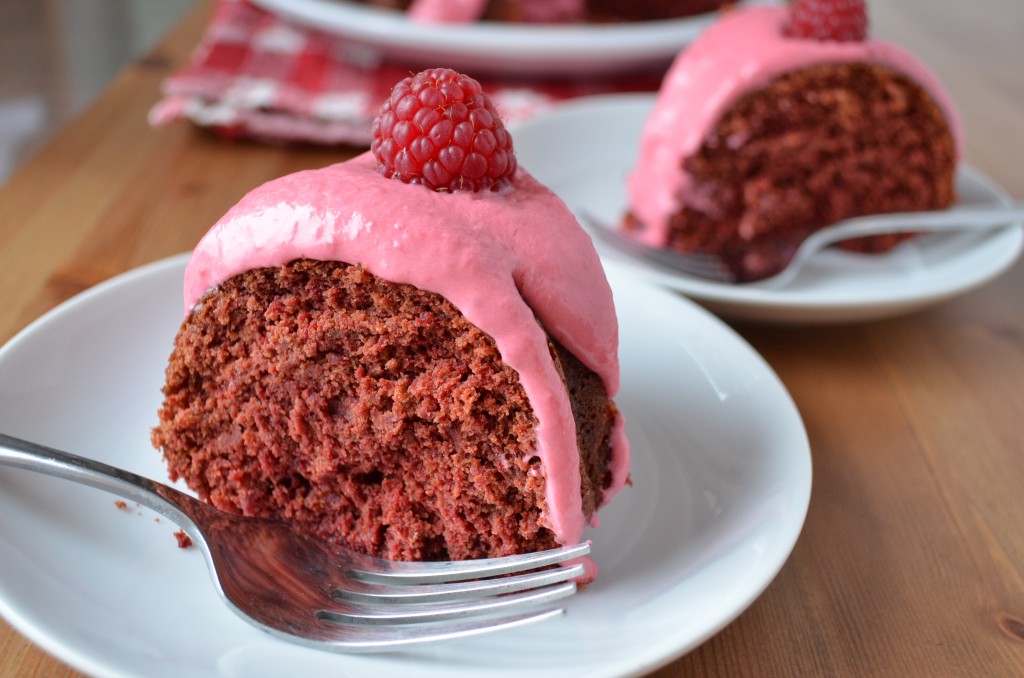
[[401, 611], [361, 592], [473, 596]]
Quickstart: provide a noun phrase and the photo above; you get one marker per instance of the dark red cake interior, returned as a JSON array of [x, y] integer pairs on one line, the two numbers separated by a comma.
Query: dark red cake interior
[[371, 413]]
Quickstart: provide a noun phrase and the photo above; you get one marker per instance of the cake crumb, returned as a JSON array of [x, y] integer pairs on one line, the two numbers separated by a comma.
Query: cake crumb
[[121, 504], [184, 541]]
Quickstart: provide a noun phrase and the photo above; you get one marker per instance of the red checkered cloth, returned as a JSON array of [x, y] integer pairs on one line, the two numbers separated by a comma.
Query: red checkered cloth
[[256, 75]]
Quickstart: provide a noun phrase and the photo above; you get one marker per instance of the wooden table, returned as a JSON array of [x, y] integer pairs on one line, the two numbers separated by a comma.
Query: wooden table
[[911, 561]]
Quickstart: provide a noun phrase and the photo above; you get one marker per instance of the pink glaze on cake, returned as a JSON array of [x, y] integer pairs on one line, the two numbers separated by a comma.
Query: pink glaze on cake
[[447, 11], [743, 51], [465, 11], [490, 254], [553, 11]]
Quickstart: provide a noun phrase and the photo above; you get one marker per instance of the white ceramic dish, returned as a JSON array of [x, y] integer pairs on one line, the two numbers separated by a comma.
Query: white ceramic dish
[[501, 48], [721, 478], [561, 148]]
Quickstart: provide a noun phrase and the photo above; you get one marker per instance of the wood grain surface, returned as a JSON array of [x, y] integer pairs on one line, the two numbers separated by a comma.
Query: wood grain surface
[[911, 561]]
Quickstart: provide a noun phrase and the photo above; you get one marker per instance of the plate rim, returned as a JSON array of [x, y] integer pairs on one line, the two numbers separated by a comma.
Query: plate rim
[[670, 650]]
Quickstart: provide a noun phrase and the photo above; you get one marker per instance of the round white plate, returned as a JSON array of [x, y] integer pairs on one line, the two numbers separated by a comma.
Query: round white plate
[[721, 482], [501, 48], [585, 149]]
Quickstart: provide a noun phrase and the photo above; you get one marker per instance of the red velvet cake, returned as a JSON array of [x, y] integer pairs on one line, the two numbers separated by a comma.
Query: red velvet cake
[[418, 370], [764, 132]]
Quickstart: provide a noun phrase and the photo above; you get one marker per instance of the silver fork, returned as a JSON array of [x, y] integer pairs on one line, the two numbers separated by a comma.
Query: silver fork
[[710, 267], [318, 594]]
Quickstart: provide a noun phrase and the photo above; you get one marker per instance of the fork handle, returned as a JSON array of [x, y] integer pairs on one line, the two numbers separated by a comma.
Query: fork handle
[[952, 219], [167, 501]]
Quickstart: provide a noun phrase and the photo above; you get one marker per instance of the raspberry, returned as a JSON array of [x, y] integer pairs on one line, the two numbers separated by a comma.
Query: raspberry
[[438, 129], [838, 20]]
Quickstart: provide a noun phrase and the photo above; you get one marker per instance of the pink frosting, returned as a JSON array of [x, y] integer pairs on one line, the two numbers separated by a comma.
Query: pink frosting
[[447, 11], [741, 52], [464, 11], [504, 259]]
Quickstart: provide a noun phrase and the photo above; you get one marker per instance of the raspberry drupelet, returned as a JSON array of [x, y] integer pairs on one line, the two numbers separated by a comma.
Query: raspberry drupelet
[[837, 20], [437, 128]]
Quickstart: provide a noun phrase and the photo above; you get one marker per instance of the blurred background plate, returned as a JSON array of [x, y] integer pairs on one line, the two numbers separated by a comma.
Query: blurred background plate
[[502, 48], [557, 147]]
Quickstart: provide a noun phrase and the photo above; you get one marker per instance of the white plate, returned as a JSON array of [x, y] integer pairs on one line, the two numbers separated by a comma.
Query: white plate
[[584, 150], [721, 484], [502, 48]]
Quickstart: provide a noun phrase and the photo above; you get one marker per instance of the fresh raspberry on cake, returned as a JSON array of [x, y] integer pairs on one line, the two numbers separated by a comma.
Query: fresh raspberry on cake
[[437, 128], [838, 20]]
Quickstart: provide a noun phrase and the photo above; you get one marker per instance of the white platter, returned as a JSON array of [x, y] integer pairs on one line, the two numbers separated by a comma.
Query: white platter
[[721, 477], [559, 148], [501, 48]]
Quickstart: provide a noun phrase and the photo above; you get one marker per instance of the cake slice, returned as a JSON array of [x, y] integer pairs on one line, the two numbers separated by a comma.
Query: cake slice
[[412, 353], [777, 122]]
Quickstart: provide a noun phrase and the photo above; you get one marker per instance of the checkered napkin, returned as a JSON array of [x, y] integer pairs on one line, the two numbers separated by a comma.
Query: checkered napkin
[[256, 75]]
